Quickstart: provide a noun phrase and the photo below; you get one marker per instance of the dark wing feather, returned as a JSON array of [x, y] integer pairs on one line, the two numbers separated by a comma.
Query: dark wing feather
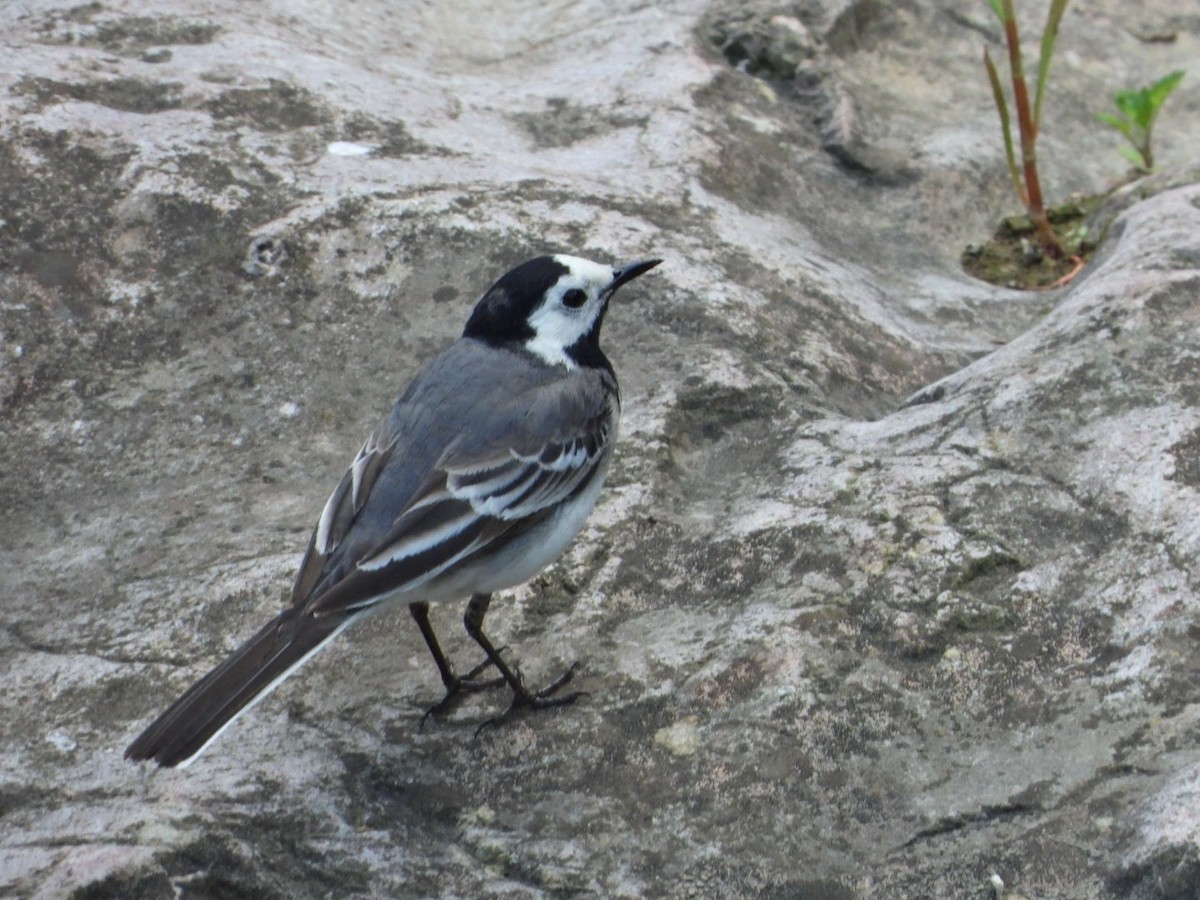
[[340, 512]]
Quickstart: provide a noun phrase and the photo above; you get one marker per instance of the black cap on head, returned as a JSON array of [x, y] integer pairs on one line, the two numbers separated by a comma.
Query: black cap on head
[[503, 312]]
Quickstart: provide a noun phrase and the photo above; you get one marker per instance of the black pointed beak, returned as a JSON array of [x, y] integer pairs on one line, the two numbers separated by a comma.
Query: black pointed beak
[[631, 271]]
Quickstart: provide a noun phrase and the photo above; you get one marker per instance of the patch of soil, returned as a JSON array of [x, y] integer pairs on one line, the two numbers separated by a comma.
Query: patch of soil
[[1014, 258]]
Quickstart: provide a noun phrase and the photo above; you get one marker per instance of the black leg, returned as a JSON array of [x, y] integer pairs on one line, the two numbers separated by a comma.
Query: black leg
[[455, 686], [522, 699]]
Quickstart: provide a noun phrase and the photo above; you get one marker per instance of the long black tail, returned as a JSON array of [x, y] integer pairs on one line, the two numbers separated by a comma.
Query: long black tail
[[255, 669]]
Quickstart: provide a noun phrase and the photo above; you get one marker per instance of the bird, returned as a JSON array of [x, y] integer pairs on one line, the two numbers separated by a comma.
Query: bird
[[478, 477]]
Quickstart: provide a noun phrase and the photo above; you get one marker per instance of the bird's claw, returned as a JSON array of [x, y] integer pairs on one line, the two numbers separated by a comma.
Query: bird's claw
[[458, 689], [546, 698]]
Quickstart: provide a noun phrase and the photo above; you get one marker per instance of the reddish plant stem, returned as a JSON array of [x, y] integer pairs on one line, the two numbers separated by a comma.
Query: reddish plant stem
[[1028, 129]]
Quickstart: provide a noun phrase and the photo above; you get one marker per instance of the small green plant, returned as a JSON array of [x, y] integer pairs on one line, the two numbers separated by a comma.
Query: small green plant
[[1138, 111], [1025, 176]]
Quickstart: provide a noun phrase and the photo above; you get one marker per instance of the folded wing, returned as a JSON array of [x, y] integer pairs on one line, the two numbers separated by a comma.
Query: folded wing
[[473, 501]]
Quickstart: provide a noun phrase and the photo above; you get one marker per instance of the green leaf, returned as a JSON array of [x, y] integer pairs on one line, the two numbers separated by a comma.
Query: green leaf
[[1005, 126], [1134, 156], [1135, 105], [1049, 36], [997, 9], [1161, 89], [1122, 125]]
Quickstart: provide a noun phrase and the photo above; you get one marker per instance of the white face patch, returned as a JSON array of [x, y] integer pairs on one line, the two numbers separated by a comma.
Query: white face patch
[[569, 310]]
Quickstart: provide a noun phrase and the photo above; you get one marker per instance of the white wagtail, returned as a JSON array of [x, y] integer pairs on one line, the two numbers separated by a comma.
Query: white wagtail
[[480, 476]]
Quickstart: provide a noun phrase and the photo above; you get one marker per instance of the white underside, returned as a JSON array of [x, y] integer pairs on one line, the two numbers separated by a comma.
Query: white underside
[[520, 560]]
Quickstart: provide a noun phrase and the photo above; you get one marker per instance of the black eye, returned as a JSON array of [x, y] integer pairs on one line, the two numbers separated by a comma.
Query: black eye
[[574, 298]]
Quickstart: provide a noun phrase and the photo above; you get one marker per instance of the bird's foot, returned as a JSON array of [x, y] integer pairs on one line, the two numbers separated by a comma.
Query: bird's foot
[[458, 688], [548, 697]]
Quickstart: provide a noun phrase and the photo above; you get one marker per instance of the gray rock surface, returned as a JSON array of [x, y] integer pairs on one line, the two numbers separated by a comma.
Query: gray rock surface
[[894, 586]]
